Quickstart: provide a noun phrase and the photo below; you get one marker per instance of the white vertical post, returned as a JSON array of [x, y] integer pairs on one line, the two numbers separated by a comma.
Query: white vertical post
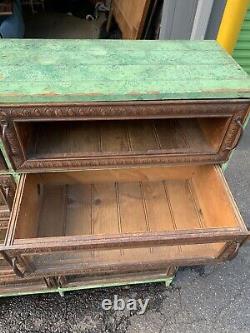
[[201, 19]]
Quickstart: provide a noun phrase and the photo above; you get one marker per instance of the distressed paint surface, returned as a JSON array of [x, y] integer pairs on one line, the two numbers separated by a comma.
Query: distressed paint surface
[[48, 71], [242, 51]]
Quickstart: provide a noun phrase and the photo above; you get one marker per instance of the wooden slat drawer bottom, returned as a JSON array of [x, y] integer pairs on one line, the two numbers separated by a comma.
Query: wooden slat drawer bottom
[[114, 220]]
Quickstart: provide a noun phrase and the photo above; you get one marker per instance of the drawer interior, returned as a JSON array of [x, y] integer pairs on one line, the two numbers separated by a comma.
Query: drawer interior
[[124, 201], [58, 139]]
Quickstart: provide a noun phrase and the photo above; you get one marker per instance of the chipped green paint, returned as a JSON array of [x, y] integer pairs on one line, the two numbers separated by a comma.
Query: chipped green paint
[[62, 71]]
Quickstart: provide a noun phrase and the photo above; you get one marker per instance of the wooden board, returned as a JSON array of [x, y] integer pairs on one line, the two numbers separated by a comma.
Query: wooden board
[[130, 16], [48, 71]]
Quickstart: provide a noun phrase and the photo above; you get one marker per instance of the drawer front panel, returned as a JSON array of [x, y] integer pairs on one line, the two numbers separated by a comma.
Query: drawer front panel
[[115, 261], [161, 133], [101, 220]]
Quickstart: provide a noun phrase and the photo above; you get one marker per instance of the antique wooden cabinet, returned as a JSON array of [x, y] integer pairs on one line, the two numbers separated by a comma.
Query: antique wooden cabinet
[[118, 146]]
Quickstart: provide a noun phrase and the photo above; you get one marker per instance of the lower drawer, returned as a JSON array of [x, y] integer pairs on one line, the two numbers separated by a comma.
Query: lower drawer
[[104, 221]]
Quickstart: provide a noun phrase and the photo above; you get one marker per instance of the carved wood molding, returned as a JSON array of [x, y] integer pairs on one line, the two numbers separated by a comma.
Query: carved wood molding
[[123, 110], [11, 143], [4, 218], [234, 129], [78, 164]]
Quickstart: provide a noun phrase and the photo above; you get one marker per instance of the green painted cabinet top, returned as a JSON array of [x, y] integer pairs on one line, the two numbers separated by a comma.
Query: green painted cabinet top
[[65, 71]]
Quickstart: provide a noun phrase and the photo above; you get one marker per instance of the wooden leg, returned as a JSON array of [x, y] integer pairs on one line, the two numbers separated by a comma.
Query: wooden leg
[[61, 293]]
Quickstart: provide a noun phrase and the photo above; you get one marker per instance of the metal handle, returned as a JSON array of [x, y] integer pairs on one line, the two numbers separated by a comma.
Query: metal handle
[[4, 126], [238, 137], [16, 270], [5, 192], [13, 263]]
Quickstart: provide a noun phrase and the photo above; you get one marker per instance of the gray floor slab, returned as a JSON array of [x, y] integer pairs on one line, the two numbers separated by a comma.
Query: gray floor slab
[[210, 299], [59, 25]]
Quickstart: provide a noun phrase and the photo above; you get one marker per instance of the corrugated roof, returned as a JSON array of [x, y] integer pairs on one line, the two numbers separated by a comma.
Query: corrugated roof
[[242, 50]]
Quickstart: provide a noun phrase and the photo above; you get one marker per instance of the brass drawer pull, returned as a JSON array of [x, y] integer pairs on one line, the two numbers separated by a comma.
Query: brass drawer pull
[[238, 137]]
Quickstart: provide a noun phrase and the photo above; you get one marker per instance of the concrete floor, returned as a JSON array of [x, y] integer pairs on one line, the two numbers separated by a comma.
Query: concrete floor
[[56, 25], [210, 299]]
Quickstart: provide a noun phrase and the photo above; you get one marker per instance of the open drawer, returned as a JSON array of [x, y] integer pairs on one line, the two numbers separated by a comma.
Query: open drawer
[[122, 135], [122, 220]]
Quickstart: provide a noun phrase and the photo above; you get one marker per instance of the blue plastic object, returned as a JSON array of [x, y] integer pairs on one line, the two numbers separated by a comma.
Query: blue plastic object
[[12, 26]]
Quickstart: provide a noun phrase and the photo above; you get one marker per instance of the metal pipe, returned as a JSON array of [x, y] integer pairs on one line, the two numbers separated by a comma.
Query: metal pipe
[[231, 23]]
